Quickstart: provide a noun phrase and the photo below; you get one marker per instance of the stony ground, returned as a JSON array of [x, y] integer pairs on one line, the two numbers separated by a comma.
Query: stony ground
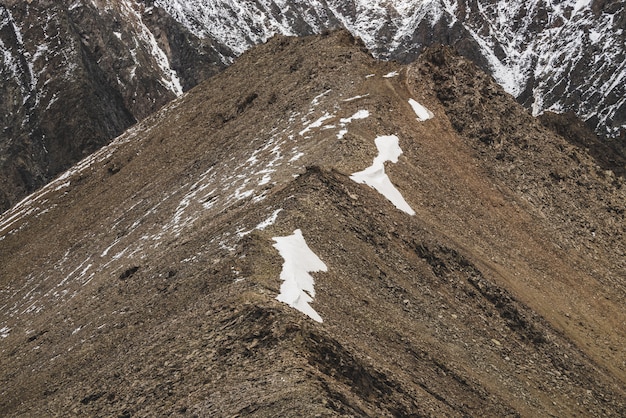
[[144, 282]]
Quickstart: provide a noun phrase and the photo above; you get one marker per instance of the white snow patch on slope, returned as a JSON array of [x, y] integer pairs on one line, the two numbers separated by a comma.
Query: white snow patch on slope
[[263, 224], [350, 99], [4, 332], [342, 133], [420, 111], [319, 122], [361, 114], [316, 100], [375, 176], [297, 289], [581, 4], [269, 221], [296, 157]]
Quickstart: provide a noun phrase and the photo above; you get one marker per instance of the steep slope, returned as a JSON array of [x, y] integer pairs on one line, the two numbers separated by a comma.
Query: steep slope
[[113, 62], [560, 56], [77, 74], [144, 281]]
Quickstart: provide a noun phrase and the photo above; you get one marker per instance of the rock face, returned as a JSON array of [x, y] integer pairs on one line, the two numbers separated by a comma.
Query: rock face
[[78, 74], [561, 56], [144, 281]]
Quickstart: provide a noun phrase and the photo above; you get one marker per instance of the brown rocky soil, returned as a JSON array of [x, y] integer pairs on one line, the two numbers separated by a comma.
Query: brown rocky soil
[[146, 287], [609, 154]]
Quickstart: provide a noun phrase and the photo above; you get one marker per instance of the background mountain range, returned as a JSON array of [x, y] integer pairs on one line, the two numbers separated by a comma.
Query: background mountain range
[[78, 73]]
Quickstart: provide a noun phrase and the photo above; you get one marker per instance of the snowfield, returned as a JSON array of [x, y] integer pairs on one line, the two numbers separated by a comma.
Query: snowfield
[[297, 289], [375, 176]]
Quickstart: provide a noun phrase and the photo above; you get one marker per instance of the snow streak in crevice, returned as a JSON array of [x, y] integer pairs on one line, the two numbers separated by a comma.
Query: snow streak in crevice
[[170, 79]]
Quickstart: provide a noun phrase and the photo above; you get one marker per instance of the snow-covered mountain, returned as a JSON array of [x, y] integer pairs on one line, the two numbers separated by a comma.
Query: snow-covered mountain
[[77, 73], [552, 55]]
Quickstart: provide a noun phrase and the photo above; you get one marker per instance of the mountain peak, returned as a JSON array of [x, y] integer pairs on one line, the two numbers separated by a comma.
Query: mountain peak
[[114, 63], [145, 280]]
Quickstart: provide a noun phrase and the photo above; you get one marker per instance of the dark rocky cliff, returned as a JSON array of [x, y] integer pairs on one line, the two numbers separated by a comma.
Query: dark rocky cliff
[[77, 75]]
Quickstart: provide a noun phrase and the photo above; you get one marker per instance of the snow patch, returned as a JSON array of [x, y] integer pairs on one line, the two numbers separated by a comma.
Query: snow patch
[[296, 157], [537, 106], [391, 74], [375, 176], [420, 111], [319, 122], [361, 114], [4, 332], [356, 98], [581, 4], [316, 100], [265, 180], [264, 224], [269, 221], [595, 36], [297, 288]]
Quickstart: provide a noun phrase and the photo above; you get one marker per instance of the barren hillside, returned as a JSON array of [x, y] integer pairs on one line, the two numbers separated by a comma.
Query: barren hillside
[[247, 251]]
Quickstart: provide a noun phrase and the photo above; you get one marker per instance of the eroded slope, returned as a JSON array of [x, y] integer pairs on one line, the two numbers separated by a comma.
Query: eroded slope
[[144, 281]]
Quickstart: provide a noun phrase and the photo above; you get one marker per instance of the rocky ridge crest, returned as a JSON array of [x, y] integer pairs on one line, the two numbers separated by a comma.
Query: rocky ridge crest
[[79, 73], [134, 290]]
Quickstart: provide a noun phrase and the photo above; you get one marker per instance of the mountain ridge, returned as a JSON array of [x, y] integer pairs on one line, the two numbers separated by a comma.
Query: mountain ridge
[[531, 49], [112, 63], [134, 290]]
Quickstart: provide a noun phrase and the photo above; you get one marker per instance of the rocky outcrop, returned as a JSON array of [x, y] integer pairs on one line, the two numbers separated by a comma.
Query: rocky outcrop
[[610, 155]]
